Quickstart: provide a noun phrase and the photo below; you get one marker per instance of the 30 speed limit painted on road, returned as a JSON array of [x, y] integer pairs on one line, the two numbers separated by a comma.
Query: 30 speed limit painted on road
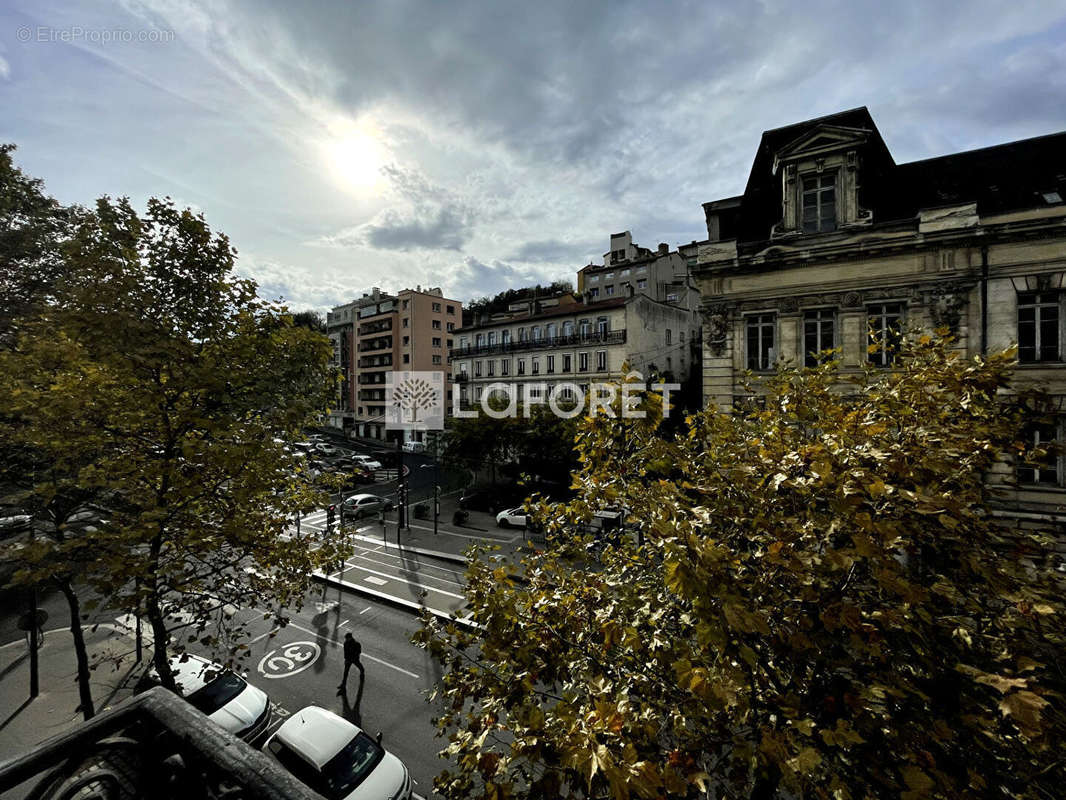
[[289, 659]]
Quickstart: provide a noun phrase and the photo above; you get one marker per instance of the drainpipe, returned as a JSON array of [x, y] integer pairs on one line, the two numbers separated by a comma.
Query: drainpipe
[[984, 299]]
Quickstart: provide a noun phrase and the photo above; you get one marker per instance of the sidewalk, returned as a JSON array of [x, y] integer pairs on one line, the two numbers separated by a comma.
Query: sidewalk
[[24, 723]]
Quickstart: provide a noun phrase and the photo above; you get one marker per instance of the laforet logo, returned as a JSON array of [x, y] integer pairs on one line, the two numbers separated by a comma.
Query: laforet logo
[[414, 401]]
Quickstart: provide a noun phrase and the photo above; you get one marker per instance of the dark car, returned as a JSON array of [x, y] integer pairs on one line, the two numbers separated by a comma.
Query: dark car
[[492, 499]]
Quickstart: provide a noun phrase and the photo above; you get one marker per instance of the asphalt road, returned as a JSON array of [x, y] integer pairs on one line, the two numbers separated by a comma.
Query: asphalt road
[[302, 664]]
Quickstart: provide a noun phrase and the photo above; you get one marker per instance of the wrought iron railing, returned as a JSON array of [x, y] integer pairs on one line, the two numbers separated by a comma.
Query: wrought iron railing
[[577, 339]]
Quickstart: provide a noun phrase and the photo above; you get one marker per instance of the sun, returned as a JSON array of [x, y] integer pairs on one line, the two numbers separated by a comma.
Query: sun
[[355, 157]]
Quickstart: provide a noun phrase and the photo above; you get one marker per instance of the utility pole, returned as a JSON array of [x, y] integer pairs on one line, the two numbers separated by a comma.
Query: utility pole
[[436, 486]]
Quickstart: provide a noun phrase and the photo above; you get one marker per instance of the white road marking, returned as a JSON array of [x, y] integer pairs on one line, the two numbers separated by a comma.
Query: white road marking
[[263, 635], [341, 644], [401, 580], [375, 580], [343, 624], [365, 610], [451, 572]]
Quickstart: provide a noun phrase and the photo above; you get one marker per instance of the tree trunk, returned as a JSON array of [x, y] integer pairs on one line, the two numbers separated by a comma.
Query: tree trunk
[[160, 657], [84, 689]]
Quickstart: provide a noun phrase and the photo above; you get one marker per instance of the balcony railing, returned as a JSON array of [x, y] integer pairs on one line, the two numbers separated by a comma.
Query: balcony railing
[[376, 344], [375, 327], [577, 339], [150, 741]]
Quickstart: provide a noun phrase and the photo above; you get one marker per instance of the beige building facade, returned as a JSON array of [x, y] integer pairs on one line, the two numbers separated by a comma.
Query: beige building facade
[[832, 240]]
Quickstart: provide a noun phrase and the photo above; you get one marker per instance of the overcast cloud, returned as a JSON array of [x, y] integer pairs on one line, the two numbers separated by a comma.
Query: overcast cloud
[[482, 145]]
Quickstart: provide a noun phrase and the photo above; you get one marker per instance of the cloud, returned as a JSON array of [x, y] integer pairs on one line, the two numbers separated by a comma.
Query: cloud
[[5, 69], [556, 251]]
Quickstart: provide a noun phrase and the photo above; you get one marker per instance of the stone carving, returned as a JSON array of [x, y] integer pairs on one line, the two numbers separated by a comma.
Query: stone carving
[[851, 300], [946, 303], [717, 316], [789, 304]]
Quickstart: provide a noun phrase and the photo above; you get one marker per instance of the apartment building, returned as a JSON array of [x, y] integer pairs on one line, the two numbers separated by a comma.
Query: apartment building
[[412, 330], [832, 240], [538, 344], [628, 268]]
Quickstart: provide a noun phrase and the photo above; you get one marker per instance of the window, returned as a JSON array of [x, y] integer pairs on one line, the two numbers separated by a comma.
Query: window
[[436, 308], [505, 367], [436, 359], [760, 329], [819, 203], [406, 321], [464, 343], [568, 328], [505, 337], [567, 362], [608, 291], [885, 321], [521, 366], [669, 336], [406, 341], [534, 392], [602, 326], [550, 332], [436, 325], [436, 341], [536, 333], [609, 276], [479, 340], [585, 327], [492, 338], [550, 365], [405, 304], [818, 334], [618, 255], [642, 283], [536, 366], [406, 358], [491, 370], [450, 343], [1038, 327], [594, 279], [521, 334], [583, 362], [451, 326], [477, 369], [624, 272], [462, 368], [594, 293], [451, 310], [601, 360], [1041, 468]]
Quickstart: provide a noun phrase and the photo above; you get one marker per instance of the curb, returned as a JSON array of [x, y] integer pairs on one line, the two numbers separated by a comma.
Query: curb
[[422, 551], [399, 602]]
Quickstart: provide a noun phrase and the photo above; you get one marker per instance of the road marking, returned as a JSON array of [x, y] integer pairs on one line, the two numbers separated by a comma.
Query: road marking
[[452, 572], [293, 659], [263, 635], [365, 610], [375, 580], [401, 580], [341, 644], [343, 624]]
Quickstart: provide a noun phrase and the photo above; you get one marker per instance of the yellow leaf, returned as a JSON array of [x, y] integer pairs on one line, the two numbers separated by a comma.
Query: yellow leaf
[[806, 761], [1024, 707]]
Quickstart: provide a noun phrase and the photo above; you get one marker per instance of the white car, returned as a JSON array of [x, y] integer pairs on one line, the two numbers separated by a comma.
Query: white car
[[326, 449], [337, 759], [367, 462], [414, 447], [512, 518], [221, 694], [360, 505]]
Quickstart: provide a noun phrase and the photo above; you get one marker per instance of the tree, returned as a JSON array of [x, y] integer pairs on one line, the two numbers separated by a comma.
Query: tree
[[32, 228], [310, 319], [160, 379], [818, 604]]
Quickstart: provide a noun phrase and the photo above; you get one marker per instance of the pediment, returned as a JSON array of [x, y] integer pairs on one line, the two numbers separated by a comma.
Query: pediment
[[820, 140]]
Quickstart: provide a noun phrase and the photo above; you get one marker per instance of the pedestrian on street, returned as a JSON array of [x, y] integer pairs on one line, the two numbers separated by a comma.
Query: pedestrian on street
[[352, 652]]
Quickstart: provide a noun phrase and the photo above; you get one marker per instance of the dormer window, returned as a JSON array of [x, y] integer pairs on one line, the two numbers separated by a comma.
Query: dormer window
[[819, 203]]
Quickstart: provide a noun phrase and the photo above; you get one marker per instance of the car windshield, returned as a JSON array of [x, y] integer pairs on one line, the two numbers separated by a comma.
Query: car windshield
[[350, 766], [217, 693]]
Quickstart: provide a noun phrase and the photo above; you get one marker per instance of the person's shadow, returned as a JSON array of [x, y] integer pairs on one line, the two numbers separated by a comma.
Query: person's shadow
[[350, 712], [321, 638]]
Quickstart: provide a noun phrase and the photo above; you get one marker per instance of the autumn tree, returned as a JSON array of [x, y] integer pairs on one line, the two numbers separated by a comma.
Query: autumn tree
[[816, 603], [159, 378]]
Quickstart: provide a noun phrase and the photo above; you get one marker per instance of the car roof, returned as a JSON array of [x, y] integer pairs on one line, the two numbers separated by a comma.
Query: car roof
[[316, 735], [192, 671], [361, 497]]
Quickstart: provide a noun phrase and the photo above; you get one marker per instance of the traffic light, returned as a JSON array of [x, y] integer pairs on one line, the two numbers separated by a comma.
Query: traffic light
[[331, 514]]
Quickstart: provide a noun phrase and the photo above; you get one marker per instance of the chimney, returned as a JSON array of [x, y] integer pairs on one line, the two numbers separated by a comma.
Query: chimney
[[664, 248]]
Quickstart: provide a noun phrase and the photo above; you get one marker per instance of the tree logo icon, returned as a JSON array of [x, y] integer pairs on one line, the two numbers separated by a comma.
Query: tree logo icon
[[414, 401]]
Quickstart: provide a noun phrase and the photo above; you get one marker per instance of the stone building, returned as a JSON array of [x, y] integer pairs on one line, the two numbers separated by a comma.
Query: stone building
[[832, 238], [662, 274]]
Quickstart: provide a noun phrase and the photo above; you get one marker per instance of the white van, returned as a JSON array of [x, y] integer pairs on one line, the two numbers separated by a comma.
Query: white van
[[414, 447]]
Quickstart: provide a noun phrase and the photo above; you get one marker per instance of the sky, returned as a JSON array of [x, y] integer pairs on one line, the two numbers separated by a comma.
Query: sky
[[479, 146]]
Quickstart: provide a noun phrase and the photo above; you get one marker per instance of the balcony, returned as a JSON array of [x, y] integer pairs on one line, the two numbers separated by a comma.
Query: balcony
[[149, 742], [371, 328], [375, 362], [577, 340], [383, 343]]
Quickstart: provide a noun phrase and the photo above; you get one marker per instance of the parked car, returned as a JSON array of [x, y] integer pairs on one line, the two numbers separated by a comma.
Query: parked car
[[367, 462], [338, 759], [325, 449], [304, 446], [414, 447], [361, 505], [13, 520], [512, 518], [220, 693], [491, 499]]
